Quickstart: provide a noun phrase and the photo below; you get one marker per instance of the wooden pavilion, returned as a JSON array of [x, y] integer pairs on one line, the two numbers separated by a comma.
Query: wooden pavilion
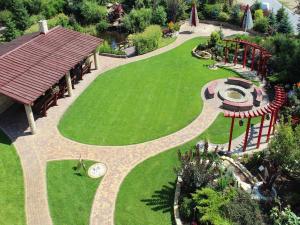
[[39, 68]]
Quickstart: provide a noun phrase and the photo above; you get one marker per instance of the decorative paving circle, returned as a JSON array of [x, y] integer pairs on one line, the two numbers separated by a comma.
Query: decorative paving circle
[[97, 170]]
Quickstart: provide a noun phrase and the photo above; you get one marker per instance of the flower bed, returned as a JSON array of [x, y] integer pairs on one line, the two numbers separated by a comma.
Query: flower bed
[[208, 191]]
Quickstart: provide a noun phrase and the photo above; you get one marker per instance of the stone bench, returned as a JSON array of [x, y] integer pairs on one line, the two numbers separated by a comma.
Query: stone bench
[[239, 81], [237, 106], [211, 90], [257, 98]]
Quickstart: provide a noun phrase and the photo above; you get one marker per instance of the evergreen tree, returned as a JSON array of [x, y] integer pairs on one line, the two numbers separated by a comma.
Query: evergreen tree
[[21, 16], [280, 14], [284, 26], [272, 23], [10, 32], [272, 19]]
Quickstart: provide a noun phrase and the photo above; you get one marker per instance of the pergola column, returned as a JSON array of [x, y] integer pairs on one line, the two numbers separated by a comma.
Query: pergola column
[[247, 134], [270, 126], [252, 60], [95, 60], [69, 84], [230, 135], [235, 53], [245, 55], [226, 53], [30, 118], [260, 63], [274, 121], [260, 130]]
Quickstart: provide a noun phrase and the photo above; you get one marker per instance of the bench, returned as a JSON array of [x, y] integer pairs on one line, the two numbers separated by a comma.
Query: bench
[[210, 90], [237, 106], [257, 96], [239, 81]]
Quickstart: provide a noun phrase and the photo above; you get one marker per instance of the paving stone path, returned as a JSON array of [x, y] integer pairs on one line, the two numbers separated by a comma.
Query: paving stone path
[[48, 144]]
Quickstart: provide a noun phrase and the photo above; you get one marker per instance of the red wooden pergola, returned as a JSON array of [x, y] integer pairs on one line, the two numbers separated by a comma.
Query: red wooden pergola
[[271, 108], [255, 49]]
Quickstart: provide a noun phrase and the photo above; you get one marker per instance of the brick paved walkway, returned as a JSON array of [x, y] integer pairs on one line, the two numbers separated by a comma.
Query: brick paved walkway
[[48, 144]]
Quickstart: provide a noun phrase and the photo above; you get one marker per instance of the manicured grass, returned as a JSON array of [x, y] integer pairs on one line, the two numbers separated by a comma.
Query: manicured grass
[[11, 185], [147, 193], [70, 195], [141, 101]]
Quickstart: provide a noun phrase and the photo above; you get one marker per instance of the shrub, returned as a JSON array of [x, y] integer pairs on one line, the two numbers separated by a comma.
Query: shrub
[[91, 12], [106, 48], [197, 170], [90, 29], [101, 26], [236, 15], [258, 14], [242, 209], [223, 16], [137, 20], [214, 39], [159, 16], [51, 8], [176, 10], [212, 11], [284, 217], [148, 40], [284, 26], [60, 19], [10, 32], [5, 15], [208, 203], [261, 25], [186, 208], [33, 6], [36, 18], [20, 15], [173, 26]]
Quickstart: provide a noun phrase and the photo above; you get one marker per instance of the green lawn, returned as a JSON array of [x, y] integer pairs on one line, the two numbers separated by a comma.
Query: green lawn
[[147, 193], [11, 185], [70, 195], [141, 101]]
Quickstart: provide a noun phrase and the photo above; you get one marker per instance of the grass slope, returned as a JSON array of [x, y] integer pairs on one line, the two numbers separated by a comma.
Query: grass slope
[[70, 195], [11, 185], [141, 101], [147, 193]]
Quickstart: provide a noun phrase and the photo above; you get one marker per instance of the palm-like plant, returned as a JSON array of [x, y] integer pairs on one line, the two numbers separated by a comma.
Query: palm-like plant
[[198, 169]]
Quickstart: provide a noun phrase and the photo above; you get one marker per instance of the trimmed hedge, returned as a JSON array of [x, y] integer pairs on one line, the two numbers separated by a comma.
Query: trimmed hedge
[[148, 40]]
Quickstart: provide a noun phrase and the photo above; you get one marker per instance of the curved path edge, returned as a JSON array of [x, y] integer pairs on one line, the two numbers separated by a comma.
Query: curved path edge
[[48, 144]]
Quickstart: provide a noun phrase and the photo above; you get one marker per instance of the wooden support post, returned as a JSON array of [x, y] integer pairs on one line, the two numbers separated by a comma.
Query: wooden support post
[[30, 118], [270, 126], [226, 53], [95, 60], [260, 63], [274, 121], [247, 134], [245, 55], [69, 84], [253, 58], [260, 131], [235, 54], [230, 135]]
